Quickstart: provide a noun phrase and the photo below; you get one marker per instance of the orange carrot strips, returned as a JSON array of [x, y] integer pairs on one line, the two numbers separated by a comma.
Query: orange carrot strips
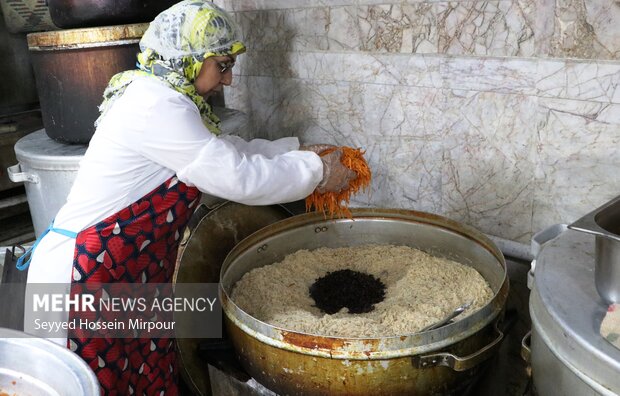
[[336, 204]]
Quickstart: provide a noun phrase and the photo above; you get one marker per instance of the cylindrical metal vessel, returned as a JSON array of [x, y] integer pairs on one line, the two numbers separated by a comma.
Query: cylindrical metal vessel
[[604, 223], [47, 169], [38, 367], [568, 354], [69, 14], [437, 361], [72, 69]]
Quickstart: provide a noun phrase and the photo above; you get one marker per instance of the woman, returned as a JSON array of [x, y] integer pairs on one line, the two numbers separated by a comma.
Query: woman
[[154, 151]]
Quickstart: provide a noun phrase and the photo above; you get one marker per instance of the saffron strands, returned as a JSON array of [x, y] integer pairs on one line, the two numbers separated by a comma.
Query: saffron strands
[[336, 204]]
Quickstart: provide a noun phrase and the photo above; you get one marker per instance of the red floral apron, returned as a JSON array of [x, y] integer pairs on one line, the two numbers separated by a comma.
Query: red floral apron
[[136, 245]]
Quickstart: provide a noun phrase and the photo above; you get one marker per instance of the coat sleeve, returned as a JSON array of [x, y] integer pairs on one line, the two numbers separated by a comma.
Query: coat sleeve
[[258, 172], [268, 148]]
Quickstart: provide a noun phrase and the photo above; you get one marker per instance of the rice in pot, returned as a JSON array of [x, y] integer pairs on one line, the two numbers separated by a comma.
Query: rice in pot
[[420, 289]]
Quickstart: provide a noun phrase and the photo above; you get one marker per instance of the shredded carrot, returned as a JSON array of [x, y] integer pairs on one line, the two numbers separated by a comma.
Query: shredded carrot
[[336, 204]]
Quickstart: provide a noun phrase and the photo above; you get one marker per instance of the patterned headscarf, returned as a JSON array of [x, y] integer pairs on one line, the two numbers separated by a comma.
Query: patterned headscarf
[[173, 49]]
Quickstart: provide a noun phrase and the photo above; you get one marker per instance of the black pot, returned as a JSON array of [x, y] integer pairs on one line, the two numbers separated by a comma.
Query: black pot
[[72, 69], [90, 13]]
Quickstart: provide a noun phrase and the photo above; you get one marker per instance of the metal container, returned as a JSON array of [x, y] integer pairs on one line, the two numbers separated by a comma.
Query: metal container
[[439, 361], [37, 367], [72, 69], [47, 169], [604, 223], [212, 232], [68, 14], [568, 355]]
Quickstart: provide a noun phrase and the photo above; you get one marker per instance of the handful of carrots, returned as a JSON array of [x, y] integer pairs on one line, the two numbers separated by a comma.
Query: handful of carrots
[[336, 203]]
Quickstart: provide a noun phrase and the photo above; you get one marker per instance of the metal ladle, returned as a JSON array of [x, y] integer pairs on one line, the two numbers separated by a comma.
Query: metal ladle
[[454, 314]]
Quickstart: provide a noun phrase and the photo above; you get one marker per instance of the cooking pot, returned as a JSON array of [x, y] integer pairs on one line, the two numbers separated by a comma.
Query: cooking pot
[[604, 223], [87, 13], [439, 361], [37, 367], [47, 168], [567, 354], [72, 69]]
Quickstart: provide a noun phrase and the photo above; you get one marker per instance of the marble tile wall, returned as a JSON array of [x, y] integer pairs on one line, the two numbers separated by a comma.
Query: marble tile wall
[[504, 115]]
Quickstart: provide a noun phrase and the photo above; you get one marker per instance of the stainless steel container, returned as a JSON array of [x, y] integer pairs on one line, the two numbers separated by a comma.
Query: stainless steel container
[[439, 361], [604, 223], [568, 355], [47, 168], [37, 367]]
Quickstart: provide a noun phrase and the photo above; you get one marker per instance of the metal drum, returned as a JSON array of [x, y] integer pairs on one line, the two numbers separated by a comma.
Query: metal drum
[[568, 355]]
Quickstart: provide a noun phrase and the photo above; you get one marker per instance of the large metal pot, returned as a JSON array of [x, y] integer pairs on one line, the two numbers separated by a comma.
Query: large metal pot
[[37, 367], [47, 169], [568, 355], [438, 361], [72, 68], [87, 13]]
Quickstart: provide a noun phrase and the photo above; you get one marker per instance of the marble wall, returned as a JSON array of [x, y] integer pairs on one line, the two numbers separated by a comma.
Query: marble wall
[[504, 115]]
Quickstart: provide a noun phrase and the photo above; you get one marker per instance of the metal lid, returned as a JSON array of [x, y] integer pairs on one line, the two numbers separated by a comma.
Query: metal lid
[[86, 38], [213, 233], [39, 151], [567, 310]]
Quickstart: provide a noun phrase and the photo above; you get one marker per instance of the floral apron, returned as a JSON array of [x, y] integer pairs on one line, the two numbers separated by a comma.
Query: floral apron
[[138, 244]]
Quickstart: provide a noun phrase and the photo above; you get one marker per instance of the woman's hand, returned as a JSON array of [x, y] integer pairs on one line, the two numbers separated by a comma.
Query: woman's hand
[[336, 176]]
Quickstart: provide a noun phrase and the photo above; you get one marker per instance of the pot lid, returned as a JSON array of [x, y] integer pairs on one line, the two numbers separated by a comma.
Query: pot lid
[[39, 151], [210, 235], [567, 310], [85, 38]]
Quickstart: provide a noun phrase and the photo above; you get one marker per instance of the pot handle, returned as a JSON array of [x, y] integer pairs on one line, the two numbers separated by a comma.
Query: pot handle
[[539, 240], [17, 176], [458, 363], [526, 351]]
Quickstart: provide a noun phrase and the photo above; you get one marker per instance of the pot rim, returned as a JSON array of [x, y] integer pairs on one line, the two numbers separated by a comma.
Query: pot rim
[[86, 37], [366, 348]]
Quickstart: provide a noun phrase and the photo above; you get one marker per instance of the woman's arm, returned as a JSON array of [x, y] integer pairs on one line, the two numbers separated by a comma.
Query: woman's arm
[[172, 134]]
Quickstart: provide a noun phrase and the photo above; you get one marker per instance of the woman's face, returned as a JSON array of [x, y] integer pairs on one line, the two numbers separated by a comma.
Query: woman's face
[[216, 72]]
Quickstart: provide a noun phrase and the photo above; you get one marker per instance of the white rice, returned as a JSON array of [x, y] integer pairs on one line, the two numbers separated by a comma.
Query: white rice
[[420, 290]]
